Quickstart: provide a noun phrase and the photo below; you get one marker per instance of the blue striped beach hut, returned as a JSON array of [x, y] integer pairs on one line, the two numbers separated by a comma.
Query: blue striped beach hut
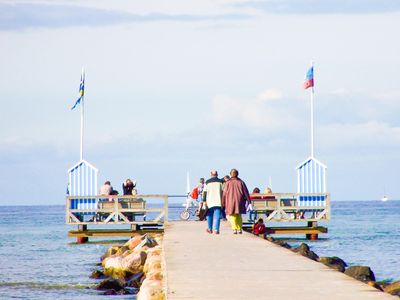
[[82, 181], [311, 178]]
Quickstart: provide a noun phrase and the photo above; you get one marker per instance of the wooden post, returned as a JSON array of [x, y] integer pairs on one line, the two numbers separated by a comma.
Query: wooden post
[[83, 239], [312, 236], [165, 209]]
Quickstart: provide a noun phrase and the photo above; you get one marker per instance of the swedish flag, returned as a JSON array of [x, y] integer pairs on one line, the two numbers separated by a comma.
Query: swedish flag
[[81, 90]]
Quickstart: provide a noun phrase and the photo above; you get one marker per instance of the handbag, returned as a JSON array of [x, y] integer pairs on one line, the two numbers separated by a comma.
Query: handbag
[[203, 212]]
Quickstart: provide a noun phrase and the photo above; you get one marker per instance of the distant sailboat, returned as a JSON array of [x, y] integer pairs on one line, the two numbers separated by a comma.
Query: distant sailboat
[[384, 198]]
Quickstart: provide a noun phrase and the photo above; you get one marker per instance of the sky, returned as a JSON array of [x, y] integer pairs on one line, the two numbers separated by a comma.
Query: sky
[[193, 85]]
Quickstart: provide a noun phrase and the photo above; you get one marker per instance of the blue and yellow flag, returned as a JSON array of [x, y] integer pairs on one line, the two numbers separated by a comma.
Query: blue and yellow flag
[[81, 90]]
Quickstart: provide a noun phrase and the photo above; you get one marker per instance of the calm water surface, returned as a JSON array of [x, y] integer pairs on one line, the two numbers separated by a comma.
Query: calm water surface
[[38, 261]]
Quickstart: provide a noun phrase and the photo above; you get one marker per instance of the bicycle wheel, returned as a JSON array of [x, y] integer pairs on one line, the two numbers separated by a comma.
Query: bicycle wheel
[[185, 215]]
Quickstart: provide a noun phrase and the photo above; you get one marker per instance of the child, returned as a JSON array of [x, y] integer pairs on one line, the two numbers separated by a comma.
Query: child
[[259, 227]]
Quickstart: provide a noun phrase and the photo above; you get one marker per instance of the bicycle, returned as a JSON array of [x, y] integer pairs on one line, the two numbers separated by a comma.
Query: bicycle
[[191, 209]]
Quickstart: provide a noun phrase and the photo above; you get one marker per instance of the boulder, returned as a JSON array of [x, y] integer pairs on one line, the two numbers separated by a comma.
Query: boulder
[[151, 290], [155, 251], [393, 288], [270, 238], [362, 273], [152, 263], [109, 292], [111, 264], [158, 238], [110, 284], [304, 250], [134, 262], [120, 267], [111, 251], [155, 274], [146, 241], [113, 292], [133, 242], [334, 262], [97, 274], [135, 280], [122, 250], [375, 284], [282, 244]]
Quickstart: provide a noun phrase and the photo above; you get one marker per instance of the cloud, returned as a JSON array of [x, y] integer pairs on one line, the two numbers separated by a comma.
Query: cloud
[[267, 111], [361, 138], [342, 120], [324, 7], [19, 16]]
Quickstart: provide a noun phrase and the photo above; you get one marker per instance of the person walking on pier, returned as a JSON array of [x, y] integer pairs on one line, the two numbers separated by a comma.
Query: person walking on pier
[[234, 199], [212, 195]]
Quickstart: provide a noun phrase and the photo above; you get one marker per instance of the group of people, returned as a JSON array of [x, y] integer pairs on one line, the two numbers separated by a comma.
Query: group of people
[[228, 196], [128, 188]]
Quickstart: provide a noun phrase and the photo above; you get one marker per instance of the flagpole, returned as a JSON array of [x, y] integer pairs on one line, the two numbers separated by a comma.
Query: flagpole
[[312, 115], [187, 183], [82, 116]]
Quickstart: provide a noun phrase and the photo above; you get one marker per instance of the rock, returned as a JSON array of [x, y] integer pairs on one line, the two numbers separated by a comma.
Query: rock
[[133, 242], [134, 262], [110, 284], [151, 290], [270, 238], [97, 274], [361, 273], [120, 267], [334, 263], [152, 263], [146, 241], [109, 292], [156, 251], [135, 280], [122, 250], [375, 285], [112, 292], [282, 244], [111, 251], [304, 250], [155, 274], [158, 238], [393, 288]]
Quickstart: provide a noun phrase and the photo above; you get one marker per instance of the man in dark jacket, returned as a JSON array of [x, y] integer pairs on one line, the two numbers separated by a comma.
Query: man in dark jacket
[[235, 197]]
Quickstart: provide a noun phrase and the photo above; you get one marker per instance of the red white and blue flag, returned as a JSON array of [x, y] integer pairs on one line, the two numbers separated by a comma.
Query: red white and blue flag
[[309, 81]]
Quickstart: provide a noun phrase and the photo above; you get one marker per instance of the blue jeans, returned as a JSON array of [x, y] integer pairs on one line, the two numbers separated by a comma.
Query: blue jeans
[[214, 213]]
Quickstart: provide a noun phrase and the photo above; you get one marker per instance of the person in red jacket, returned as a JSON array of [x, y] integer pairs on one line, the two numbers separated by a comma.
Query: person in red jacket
[[259, 227]]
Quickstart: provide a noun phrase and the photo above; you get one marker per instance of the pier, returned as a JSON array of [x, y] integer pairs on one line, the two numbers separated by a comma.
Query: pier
[[227, 266], [149, 213]]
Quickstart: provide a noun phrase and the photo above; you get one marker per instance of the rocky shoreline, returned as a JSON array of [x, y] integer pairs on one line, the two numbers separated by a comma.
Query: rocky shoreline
[[137, 267], [361, 273]]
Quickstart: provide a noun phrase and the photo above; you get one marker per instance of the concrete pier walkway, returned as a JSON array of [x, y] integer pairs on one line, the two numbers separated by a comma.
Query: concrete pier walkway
[[228, 266]]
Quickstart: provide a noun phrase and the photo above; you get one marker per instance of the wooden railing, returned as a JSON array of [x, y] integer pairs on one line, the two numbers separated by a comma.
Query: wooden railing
[[103, 210], [291, 207]]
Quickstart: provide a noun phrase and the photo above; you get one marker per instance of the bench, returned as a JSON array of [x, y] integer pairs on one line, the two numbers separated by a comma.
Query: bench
[[262, 206], [124, 204]]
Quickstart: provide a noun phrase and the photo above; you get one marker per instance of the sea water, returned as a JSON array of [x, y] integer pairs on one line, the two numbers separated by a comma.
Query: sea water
[[39, 261]]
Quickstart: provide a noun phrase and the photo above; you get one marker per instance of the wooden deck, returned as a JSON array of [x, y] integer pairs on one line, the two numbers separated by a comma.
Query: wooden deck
[[111, 232], [228, 266]]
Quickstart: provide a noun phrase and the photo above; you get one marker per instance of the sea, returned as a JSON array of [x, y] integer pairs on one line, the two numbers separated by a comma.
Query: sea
[[39, 261]]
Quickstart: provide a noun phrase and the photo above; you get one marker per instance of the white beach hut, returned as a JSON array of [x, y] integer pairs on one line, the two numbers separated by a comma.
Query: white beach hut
[[82, 181], [311, 178]]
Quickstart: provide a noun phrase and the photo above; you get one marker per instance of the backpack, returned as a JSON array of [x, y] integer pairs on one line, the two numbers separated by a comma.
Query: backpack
[[195, 193]]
